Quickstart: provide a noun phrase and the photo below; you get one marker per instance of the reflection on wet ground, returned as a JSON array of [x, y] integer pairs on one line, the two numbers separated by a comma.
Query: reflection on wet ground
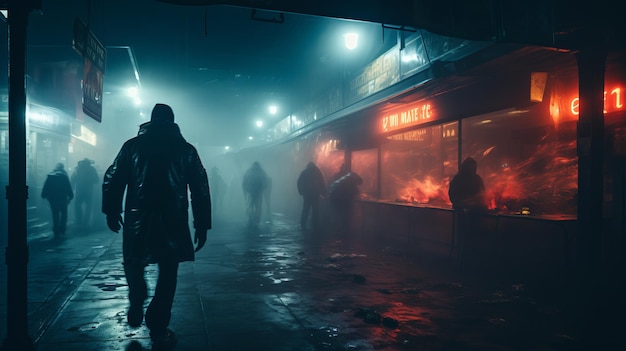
[[277, 288]]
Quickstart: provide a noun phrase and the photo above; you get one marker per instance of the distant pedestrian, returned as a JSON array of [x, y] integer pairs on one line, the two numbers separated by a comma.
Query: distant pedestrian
[[342, 194], [218, 191], [58, 191], [254, 184], [84, 178], [156, 169], [312, 187]]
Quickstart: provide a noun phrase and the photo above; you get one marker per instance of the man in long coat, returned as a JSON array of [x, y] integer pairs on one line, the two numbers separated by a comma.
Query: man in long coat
[[312, 186], [156, 169]]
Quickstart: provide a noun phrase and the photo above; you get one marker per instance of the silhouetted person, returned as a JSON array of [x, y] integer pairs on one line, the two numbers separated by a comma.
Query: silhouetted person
[[58, 191], [312, 187], [83, 180], [156, 169], [342, 194], [218, 190], [467, 194], [467, 190], [254, 184]]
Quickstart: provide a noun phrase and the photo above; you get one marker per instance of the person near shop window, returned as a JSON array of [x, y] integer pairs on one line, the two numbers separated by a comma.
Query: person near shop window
[[156, 169], [467, 190], [58, 191], [467, 194], [84, 178], [312, 187], [342, 193], [255, 182]]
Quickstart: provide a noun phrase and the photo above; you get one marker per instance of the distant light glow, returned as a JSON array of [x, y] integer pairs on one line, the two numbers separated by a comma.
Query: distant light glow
[[250, 138], [351, 40], [259, 123], [132, 92], [226, 147], [273, 109]]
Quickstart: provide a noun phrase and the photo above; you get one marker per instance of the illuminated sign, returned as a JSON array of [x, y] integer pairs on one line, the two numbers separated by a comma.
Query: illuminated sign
[[407, 116], [613, 101], [86, 135]]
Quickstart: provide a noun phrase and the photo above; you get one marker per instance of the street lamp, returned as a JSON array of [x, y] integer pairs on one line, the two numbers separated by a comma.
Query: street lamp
[[351, 40]]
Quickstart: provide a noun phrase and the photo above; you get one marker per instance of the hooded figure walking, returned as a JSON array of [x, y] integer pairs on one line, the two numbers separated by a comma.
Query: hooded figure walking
[[156, 169], [58, 191], [312, 187]]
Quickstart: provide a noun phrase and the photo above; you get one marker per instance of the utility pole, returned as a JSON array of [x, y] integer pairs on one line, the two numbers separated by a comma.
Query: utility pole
[[17, 190]]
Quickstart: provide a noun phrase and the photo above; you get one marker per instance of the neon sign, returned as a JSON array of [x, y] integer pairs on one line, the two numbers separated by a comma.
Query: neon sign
[[613, 101], [407, 116]]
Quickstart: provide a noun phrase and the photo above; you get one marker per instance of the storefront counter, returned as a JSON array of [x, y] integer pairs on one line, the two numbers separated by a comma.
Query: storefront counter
[[506, 238]]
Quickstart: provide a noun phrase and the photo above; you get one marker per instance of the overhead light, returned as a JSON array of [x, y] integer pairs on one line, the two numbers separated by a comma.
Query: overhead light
[[259, 123], [132, 91], [351, 40], [273, 109]]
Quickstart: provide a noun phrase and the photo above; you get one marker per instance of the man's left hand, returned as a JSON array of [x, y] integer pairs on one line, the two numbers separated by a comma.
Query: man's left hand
[[200, 238], [115, 222]]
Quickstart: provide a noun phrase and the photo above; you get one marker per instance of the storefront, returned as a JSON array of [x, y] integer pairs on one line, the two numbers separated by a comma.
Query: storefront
[[517, 117]]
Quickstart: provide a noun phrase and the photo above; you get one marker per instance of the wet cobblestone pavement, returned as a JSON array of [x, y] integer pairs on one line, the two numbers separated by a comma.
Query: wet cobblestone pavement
[[277, 288]]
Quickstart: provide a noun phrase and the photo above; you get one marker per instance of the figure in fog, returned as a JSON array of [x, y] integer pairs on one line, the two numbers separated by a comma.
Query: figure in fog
[[84, 178], [58, 191], [254, 184], [218, 191], [342, 194], [312, 187], [467, 194], [156, 169]]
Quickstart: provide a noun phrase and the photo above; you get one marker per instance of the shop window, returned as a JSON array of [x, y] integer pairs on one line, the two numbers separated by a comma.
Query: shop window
[[416, 166], [527, 159], [365, 164]]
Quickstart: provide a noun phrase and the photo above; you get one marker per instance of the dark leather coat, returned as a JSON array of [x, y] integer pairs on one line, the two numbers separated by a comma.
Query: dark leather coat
[[157, 168]]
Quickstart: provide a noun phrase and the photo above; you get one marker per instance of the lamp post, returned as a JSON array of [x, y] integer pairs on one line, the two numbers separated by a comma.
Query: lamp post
[[17, 190]]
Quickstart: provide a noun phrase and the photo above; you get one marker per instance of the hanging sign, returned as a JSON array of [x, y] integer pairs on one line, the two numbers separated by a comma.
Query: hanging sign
[[94, 55]]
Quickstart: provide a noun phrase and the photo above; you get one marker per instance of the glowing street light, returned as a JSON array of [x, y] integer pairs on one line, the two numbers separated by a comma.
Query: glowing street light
[[351, 40], [273, 109], [259, 123]]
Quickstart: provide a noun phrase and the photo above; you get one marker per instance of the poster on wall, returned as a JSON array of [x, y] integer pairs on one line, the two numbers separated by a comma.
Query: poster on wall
[[94, 56]]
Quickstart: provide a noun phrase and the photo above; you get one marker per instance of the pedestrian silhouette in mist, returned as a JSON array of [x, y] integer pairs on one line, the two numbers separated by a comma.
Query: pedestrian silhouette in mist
[[218, 190], [156, 169], [254, 184], [58, 191], [467, 194], [342, 194], [312, 186], [83, 179]]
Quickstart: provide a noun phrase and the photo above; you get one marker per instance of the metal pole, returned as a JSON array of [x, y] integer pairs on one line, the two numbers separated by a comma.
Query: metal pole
[[591, 66], [17, 191]]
